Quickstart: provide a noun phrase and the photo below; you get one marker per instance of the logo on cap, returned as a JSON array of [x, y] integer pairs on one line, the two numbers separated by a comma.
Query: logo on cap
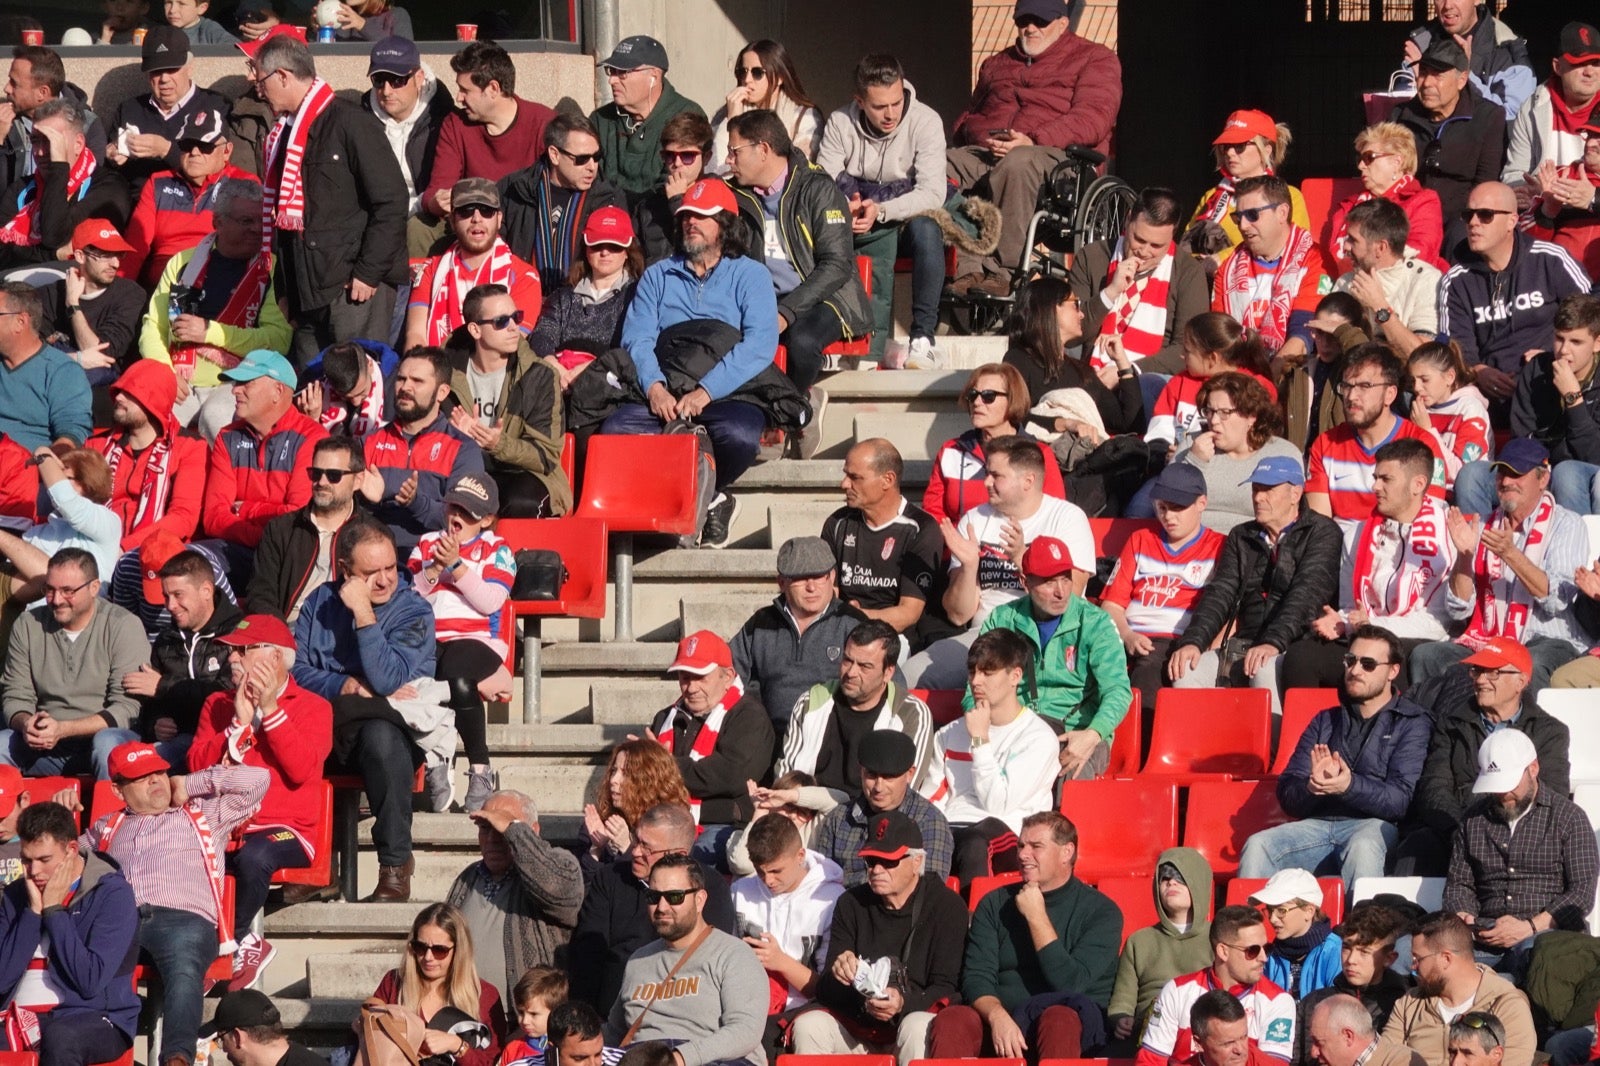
[[471, 487], [1054, 550], [883, 828], [690, 644], [1583, 35], [161, 48]]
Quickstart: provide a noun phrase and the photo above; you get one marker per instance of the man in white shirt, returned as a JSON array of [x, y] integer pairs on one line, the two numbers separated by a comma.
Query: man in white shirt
[[986, 552], [1399, 291], [996, 764]]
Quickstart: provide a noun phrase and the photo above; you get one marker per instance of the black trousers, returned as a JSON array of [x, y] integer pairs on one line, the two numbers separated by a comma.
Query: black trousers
[[984, 848]]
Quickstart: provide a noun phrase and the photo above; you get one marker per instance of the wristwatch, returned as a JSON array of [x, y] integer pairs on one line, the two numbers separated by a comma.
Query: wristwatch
[[73, 309], [1382, 315], [978, 742], [1571, 399]]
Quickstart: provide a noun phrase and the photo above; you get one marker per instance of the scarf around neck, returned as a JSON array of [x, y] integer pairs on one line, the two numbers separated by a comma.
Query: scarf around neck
[[1139, 316], [22, 229], [1503, 604], [450, 290], [283, 202]]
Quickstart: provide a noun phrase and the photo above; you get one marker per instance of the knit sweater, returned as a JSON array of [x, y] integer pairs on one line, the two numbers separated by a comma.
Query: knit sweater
[[631, 149], [1002, 961], [1227, 500], [467, 148], [708, 1004], [74, 679], [1157, 953]]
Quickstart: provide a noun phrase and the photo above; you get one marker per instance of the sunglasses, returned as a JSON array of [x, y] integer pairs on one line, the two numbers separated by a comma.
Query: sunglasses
[[501, 321], [877, 861], [1478, 671], [385, 80], [1368, 158], [673, 896], [1250, 214], [1253, 951], [1484, 215], [421, 948], [190, 145], [682, 159], [1366, 662], [333, 474], [583, 159], [462, 214], [986, 395], [754, 73]]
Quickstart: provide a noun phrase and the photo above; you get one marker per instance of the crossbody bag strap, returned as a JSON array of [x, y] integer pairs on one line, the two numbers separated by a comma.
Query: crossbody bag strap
[[627, 1038]]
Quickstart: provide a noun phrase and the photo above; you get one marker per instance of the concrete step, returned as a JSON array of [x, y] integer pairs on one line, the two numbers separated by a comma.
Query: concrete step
[[629, 702], [551, 741], [457, 834], [436, 871], [341, 919], [693, 564], [917, 435], [557, 788], [799, 520], [877, 386], [608, 657], [338, 975], [815, 475], [719, 611]]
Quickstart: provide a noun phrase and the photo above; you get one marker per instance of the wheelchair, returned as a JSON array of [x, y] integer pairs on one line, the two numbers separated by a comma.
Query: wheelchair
[[1076, 206]]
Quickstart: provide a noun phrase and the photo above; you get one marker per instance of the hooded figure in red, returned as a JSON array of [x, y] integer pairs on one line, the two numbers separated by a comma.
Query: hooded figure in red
[[158, 471]]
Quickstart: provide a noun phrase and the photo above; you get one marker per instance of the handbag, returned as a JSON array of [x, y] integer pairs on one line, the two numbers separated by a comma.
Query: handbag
[[390, 1035], [540, 575], [1380, 105]]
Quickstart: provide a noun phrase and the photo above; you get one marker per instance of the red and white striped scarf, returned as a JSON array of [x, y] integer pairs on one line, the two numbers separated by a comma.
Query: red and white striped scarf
[[1266, 313], [208, 848], [705, 742], [1426, 557], [1139, 316], [1503, 602], [243, 308], [363, 417], [1219, 201], [153, 491], [450, 290], [20, 229], [283, 202]]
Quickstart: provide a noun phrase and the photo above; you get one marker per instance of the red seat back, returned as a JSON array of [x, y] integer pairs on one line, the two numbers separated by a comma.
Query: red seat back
[[965, 1062], [1240, 889], [828, 1060], [1217, 732], [1222, 815], [1134, 898], [45, 789], [23, 1058], [1111, 534], [102, 802], [1126, 740], [1086, 1062], [581, 543], [982, 886], [1322, 195], [1123, 824], [1300, 705], [944, 704], [320, 872], [642, 484]]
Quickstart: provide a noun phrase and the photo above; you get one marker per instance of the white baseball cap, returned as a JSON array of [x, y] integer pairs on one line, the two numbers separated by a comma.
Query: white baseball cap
[[1502, 757], [1286, 886]]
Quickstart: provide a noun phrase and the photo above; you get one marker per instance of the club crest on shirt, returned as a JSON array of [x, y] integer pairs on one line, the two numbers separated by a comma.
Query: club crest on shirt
[[888, 548]]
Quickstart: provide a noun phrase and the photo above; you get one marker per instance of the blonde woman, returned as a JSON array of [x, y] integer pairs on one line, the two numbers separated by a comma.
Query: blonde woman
[[437, 973], [1250, 145], [1386, 156]]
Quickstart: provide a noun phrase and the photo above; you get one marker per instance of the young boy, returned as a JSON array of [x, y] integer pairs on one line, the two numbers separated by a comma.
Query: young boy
[[1179, 942], [1159, 576], [1305, 954], [1557, 402], [541, 990], [1368, 937], [190, 17]]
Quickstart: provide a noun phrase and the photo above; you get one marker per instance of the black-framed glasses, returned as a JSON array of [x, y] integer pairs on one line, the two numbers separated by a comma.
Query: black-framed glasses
[[1250, 214], [193, 144], [879, 862], [462, 214], [986, 395], [753, 73], [1345, 388], [582, 159], [1366, 662], [56, 592], [683, 159], [1483, 215], [510, 318], [1217, 414], [1475, 671], [673, 896], [420, 948], [332, 473], [384, 80], [1249, 951]]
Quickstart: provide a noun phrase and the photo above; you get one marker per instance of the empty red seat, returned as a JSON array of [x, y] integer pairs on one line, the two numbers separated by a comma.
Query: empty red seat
[[1134, 897], [1222, 815], [966, 1062], [1216, 733], [1123, 824], [944, 704], [1300, 705], [581, 543], [45, 790], [1241, 888], [1126, 740], [982, 886], [826, 1060]]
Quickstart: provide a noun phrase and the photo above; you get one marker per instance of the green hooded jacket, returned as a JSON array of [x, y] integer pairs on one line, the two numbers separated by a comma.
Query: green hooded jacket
[[1157, 953], [1080, 679]]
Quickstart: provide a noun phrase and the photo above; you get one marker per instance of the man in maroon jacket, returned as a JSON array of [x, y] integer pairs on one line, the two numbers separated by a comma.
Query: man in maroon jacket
[[1049, 90]]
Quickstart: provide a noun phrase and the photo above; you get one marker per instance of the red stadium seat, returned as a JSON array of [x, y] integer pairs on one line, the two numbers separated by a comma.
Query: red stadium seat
[[581, 543], [966, 1062], [825, 1060], [1300, 705], [1111, 534], [44, 790], [28, 1058], [1123, 825], [347, 790], [1126, 740], [861, 345], [1322, 195], [1240, 888], [982, 886], [1086, 1062], [102, 801], [1222, 815], [944, 704], [1210, 734], [569, 457], [320, 872], [1134, 897]]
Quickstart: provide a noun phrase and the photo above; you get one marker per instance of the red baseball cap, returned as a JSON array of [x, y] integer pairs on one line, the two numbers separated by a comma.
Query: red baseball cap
[[134, 760], [708, 196], [609, 225], [98, 233], [259, 629], [250, 48], [1498, 653], [1244, 126], [700, 653], [11, 789], [1047, 557], [157, 551]]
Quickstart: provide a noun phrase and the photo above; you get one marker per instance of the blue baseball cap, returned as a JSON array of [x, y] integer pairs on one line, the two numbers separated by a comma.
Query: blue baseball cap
[[1179, 484], [1520, 455], [394, 55], [262, 363], [1276, 470]]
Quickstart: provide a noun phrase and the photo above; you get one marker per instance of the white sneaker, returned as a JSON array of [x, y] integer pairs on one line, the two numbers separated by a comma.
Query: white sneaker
[[922, 355]]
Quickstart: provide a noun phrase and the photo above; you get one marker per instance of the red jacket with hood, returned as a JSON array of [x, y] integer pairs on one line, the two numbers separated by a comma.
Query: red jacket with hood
[[253, 479], [176, 506], [1068, 94]]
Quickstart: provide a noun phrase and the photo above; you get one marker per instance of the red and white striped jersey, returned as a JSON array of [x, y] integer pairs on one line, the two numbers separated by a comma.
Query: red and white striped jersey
[[486, 555], [1269, 1011]]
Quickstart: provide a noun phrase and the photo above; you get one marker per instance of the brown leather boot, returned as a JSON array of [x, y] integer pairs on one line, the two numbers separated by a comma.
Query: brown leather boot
[[394, 883]]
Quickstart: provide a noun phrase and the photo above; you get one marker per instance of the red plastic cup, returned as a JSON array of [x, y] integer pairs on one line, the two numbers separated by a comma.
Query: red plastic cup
[[466, 31], [34, 37]]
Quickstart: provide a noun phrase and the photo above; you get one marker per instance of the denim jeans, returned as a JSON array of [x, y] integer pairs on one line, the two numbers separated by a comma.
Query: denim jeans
[[711, 845], [1360, 846], [735, 429], [1474, 489], [181, 945], [1570, 1047], [1572, 483], [252, 865], [921, 241], [74, 755]]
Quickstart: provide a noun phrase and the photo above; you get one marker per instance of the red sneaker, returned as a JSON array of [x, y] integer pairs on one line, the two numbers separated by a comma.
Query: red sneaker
[[249, 960]]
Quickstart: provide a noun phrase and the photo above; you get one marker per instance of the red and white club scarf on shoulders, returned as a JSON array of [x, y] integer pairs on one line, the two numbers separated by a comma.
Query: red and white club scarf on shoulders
[[243, 308], [1139, 315], [1262, 300], [1413, 580], [450, 291], [21, 229], [1503, 603], [705, 742], [283, 201]]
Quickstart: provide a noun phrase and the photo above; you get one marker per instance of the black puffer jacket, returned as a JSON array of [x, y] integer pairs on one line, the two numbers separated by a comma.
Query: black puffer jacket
[[1275, 604], [1445, 789], [688, 351], [192, 667]]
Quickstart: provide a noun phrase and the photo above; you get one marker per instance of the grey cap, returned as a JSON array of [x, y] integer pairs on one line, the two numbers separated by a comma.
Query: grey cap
[[805, 557]]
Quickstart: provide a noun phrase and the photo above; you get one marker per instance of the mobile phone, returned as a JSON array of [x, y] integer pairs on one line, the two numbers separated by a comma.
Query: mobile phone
[[750, 928], [1000, 132]]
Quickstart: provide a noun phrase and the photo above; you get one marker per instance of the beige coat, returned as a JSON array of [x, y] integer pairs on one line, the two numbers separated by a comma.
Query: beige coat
[[1415, 1021]]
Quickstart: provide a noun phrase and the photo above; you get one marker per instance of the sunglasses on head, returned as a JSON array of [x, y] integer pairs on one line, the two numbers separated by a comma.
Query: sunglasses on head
[[755, 73], [420, 948], [1366, 662], [673, 896], [334, 475], [986, 395], [874, 861], [501, 321], [464, 213], [190, 145], [1484, 215], [384, 80], [1250, 214], [681, 159]]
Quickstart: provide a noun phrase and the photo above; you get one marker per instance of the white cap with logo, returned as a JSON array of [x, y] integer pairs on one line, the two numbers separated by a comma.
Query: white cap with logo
[[1502, 758]]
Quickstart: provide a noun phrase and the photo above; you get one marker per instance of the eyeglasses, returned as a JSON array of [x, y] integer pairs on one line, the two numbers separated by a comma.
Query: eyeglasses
[[56, 592], [385, 80], [874, 862], [735, 149], [462, 214], [753, 73], [1418, 960], [240, 649], [262, 76], [421, 948], [1250, 214], [617, 72], [1283, 910], [986, 395], [1484, 215], [608, 249], [1236, 148], [1366, 662], [673, 896], [1368, 158], [1475, 671], [583, 159], [332, 473], [1249, 951], [682, 159], [1345, 388], [190, 144], [1217, 414], [510, 318]]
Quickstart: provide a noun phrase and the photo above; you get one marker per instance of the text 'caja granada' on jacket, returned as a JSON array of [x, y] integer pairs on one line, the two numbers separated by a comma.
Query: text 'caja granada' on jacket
[[252, 479]]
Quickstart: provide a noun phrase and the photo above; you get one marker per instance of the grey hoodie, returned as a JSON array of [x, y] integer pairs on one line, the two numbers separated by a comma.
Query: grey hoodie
[[913, 149], [1157, 953]]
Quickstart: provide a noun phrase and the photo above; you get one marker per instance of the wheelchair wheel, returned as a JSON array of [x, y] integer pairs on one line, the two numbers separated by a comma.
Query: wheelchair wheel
[[1103, 212], [979, 317]]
